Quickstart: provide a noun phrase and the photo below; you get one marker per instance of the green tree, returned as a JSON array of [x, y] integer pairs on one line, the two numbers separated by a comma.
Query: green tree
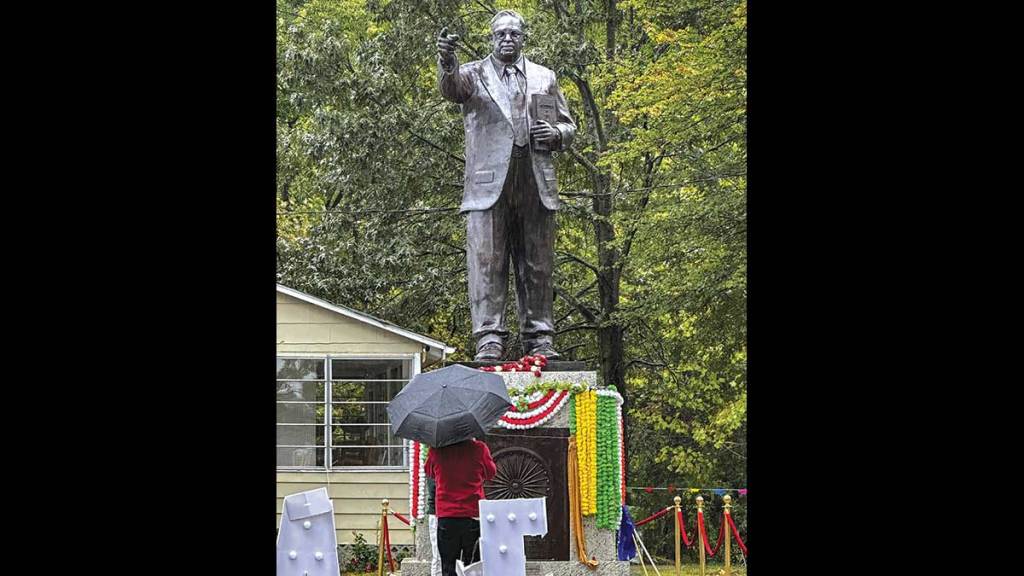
[[651, 276]]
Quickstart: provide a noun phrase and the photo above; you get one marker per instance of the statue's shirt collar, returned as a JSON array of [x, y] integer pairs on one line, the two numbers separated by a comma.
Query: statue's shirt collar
[[499, 66]]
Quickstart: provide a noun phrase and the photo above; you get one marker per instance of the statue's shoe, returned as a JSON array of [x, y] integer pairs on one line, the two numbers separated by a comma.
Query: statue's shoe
[[546, 350], [490, 351]]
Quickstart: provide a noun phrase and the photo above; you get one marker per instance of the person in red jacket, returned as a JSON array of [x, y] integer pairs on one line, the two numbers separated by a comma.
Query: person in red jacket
[[459, 472]]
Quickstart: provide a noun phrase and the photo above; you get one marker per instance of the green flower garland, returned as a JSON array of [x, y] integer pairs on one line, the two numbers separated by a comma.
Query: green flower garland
[[572, 415], [602, 463], [608, 479]]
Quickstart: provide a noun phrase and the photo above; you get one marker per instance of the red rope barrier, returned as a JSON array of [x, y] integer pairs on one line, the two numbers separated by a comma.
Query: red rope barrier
[[657, 514], [704, 534], [400, 517], [736, 533], [387, 544], [721, 532], [682, 531]]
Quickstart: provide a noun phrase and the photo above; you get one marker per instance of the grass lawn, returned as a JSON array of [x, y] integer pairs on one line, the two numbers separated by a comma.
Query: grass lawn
[[711, 569]]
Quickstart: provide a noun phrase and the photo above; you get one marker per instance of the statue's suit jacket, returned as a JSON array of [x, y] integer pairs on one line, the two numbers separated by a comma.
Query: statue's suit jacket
[[487, 118]]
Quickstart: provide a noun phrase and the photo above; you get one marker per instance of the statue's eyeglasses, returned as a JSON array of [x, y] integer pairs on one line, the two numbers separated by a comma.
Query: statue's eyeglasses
[[500, 34]]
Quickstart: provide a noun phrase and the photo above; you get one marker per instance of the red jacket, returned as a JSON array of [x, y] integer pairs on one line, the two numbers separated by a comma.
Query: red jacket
[[459, 472]]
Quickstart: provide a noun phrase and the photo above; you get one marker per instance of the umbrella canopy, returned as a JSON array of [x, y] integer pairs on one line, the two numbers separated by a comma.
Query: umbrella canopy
[[448, 406]]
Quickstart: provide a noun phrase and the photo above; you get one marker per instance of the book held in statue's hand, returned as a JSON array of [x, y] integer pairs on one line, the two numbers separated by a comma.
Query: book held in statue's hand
[[545, 107]]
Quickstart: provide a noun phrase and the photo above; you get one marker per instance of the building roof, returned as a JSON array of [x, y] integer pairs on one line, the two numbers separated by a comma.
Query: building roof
[[436, 350]]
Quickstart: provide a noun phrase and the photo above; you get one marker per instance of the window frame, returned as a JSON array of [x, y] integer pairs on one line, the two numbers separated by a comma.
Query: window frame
[[414, 369]]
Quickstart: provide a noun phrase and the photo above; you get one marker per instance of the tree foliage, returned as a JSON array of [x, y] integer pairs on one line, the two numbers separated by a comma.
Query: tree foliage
[[651, 274]]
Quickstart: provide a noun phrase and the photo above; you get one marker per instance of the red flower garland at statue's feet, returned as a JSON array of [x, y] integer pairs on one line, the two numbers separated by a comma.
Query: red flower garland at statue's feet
[[527, 363], [736, 533]]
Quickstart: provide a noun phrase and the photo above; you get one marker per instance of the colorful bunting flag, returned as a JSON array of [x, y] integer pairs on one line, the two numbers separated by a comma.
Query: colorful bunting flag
[[672, 488]]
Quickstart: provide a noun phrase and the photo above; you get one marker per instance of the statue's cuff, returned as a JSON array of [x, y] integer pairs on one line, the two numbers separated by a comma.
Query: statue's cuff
[[561, 135], [446, 69]]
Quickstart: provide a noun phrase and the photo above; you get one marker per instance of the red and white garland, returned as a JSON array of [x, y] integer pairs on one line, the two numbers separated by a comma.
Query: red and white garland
[[543, 406], [537, 413], [411, 449], [418, 479], [622, 456]]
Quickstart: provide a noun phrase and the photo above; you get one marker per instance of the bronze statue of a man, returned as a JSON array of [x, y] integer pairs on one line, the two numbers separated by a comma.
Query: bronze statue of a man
[[510, 194]]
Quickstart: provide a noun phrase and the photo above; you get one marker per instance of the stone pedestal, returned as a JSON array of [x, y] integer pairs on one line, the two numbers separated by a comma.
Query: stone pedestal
[[600, 543]]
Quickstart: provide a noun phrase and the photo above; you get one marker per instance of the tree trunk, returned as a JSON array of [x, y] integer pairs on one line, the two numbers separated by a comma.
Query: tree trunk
[[610, 332], [611, 349]]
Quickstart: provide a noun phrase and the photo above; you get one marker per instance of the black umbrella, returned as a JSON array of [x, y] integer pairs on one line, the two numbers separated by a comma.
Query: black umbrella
[[449, 405]]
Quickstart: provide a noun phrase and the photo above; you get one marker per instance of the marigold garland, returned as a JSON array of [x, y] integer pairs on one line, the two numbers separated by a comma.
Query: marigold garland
[[424, 451], [515, 420], [415, 485], [581, 451], [414, 482], [581, 448], [527, 397], [575, 514], [572, 415], [595, 423], [586, 433], [616, 479], [595, 427], [536, 403], [609, 507], [594, 447], [583, 445], [602, 463], [622, 458]]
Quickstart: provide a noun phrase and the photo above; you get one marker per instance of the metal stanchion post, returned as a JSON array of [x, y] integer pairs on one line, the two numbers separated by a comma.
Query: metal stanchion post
[[381, 556], [700, 534], [679, 529], [725, 526]]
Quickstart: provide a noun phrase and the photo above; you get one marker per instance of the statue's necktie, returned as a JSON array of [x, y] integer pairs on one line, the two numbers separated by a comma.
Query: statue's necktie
[[517, 100]]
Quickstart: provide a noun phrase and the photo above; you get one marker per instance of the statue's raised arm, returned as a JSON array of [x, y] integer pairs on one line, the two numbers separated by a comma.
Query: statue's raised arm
[[454, 86]]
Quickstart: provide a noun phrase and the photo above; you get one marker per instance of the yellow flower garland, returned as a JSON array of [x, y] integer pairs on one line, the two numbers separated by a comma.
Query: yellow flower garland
[[592, 444], [588, 473], [587, 460], [586, 432], [581, 448], [597, 455]]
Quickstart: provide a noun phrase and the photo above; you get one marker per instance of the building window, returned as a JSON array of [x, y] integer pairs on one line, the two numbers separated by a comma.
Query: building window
[[332, 412]]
